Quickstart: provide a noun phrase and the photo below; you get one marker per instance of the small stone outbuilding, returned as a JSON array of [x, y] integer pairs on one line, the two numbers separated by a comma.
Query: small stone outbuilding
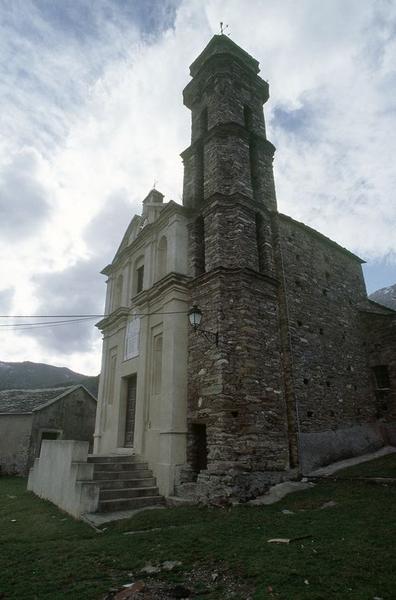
[[29, 416]]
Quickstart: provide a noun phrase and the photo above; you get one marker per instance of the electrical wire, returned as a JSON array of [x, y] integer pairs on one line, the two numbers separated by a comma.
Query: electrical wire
[[49, 316], [45, 323], [174, 312], [69, 319]]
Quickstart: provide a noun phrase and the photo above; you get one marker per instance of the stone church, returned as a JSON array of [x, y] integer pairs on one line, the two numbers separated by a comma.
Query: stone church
[[291, 366]]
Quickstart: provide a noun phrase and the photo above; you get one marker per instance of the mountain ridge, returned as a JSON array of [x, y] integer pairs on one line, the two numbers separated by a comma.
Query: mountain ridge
[[385, 296], [31, 375]]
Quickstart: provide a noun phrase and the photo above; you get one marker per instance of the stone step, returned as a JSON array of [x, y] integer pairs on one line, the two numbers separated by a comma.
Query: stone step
[[119, 458], [135, 474], [114, 494], [119, 466], [111, 484], [129, 503]]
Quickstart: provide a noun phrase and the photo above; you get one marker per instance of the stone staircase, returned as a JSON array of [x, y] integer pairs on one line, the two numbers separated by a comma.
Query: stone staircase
[[125, 482]]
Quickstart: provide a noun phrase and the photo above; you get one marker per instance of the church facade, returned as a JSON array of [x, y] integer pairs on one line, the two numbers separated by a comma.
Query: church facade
[[292, 367]]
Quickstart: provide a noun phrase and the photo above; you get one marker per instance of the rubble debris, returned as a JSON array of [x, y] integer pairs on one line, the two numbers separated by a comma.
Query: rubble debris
[[329, 504], [169, 565], [150, 569]]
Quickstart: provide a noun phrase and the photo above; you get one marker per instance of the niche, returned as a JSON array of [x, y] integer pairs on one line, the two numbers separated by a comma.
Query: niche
[[248, 117], [118, 292], [203, 121], [199, 246], [381, 376], [260, 241], [162, 258], [253, 151]]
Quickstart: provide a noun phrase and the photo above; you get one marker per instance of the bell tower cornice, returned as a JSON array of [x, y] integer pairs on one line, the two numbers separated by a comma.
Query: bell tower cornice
[[223, 58], [222, 44]]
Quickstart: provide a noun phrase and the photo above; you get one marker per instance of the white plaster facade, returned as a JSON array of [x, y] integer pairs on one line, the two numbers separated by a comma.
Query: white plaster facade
[[145, 336]]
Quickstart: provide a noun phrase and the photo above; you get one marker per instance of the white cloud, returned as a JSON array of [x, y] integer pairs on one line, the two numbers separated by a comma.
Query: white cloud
[[97, 109], [24, 200]]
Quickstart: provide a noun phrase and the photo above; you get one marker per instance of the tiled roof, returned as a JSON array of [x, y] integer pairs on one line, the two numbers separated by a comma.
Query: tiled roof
[[25, 401]]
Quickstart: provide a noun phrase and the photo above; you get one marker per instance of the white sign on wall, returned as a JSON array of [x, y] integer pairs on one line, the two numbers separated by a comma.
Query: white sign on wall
[[132, 334]]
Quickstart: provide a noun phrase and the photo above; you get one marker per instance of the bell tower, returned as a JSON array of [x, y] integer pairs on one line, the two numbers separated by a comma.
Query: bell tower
[[236, 392], [229, 152], [229, 161]]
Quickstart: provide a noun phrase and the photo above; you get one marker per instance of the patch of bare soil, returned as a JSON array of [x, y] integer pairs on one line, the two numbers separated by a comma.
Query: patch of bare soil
[[202, 582]]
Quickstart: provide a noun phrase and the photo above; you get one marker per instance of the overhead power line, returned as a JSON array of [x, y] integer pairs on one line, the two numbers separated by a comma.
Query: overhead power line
[[49, 316], [67, 319], [46, 323]]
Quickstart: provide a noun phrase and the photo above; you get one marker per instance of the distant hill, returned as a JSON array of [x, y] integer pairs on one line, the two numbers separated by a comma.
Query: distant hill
[[385, 296], [30, 375]]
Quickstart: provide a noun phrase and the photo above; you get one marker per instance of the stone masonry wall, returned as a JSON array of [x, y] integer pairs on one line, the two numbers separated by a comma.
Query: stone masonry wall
[[15, 433], [230, 233], [380, 330], [229, 151], [227, 163], [237, 388], [73, 415], [324, 287]]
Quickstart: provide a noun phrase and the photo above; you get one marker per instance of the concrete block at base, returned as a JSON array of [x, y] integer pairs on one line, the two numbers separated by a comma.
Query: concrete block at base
[[56, 473], [325, 447]]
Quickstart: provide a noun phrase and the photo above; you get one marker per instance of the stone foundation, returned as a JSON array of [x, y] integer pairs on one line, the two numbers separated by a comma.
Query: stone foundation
[[322, 448]]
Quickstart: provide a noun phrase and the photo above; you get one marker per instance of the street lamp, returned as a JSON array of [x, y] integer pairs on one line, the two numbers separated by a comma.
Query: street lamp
[[195, 318]]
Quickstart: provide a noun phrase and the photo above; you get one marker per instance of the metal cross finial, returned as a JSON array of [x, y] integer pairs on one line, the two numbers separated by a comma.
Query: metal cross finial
[[223, 28], [154, 184]]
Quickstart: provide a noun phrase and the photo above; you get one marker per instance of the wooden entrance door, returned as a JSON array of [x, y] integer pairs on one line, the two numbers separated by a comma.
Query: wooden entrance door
[[130, 412]]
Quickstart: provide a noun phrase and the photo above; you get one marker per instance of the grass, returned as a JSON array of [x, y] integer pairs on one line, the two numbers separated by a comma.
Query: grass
[[46, 555], [379, 467]]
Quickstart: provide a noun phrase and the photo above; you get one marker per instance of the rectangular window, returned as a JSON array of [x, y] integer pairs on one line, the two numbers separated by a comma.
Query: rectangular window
[[139, 276], [381, 375]]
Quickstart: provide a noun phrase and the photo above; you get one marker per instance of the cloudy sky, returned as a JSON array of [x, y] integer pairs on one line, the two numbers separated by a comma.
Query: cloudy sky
[[92, 115]]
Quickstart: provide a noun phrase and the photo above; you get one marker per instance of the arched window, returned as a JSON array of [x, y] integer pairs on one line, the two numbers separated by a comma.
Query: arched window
[[162, 258], [138, 276]]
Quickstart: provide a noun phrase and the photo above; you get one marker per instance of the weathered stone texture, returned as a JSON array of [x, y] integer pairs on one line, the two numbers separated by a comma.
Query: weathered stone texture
[[289, 385], [229, 152], [73, 415], [14, 443], [230, 234], [236, 389], [227, 163], [67, 412], [324, 286], [380, 331]]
